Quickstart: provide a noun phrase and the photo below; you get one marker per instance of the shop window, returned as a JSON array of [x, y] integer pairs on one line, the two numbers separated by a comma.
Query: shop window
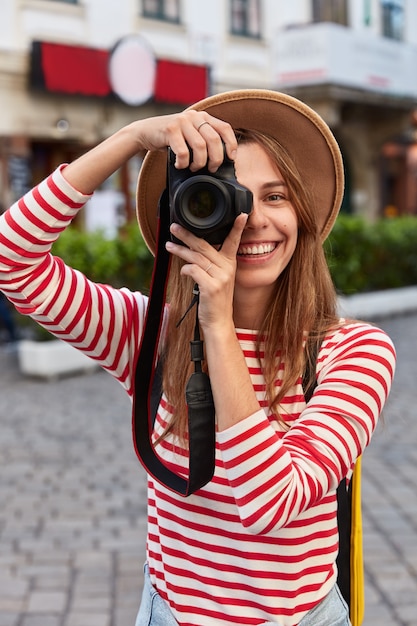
[[330, 11], [167, 10], [393, 18], [245, 18]]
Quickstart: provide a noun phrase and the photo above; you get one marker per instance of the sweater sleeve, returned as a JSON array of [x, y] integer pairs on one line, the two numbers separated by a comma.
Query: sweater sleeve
[[103, 322], [274, 476]]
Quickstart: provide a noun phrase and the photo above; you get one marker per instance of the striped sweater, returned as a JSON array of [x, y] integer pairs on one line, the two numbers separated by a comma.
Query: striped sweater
[[259, 542]]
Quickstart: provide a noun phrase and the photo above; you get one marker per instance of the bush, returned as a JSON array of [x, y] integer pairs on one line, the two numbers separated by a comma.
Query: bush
[[368, 257], [361, 256], [121, 262]]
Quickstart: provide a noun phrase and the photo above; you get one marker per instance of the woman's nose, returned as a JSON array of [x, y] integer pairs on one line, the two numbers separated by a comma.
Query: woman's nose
[[257, 218]]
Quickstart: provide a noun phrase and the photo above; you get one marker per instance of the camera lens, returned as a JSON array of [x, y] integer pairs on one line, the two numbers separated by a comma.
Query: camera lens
[[202, 203]]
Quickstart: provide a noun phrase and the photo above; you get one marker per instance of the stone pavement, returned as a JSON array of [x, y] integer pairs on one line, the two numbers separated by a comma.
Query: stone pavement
[[389, 495], [73, 500]]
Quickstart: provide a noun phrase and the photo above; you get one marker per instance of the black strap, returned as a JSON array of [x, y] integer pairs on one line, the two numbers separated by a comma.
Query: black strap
[[201, 426], [344, 502], [344, 515]]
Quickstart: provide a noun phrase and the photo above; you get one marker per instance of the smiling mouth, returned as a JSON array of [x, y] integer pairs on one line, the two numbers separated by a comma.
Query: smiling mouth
[[256, 250]]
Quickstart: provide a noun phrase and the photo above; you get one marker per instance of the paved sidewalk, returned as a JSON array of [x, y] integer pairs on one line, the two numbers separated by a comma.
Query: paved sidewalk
[[390, 493], [73, 514], [73, 502], [379, 304]]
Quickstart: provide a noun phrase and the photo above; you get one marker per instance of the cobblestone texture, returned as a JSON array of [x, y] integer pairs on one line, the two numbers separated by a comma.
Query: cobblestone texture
[[73, 500]]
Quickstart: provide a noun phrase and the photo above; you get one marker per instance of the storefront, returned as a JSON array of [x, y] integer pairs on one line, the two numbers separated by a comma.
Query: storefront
[[61, 101]]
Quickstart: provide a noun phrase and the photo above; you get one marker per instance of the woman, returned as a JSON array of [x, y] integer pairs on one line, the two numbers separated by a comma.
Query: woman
[[258, 543]]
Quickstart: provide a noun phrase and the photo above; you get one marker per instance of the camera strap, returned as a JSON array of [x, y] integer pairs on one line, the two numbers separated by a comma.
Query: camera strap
[[148, 385]]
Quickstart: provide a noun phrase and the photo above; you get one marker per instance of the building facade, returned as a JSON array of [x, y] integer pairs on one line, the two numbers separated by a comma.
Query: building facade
[[73, 71]]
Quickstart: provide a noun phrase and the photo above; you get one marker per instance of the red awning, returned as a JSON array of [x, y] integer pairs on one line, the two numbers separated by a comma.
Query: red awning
[[79, 70], [75, 69], [180, 83]]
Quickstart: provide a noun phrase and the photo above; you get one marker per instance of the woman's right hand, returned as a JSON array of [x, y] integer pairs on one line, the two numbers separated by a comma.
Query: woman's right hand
[[204, 134], [198, 130]]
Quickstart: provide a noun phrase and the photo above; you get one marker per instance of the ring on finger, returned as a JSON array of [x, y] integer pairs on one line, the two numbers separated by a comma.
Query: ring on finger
[[202, 124], [208, 267]]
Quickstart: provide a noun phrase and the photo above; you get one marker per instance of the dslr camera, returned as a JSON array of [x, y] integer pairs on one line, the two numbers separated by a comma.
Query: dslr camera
[[204, 203]]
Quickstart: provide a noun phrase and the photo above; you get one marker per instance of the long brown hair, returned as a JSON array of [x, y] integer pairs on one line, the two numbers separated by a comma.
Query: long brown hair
[[303, 305]]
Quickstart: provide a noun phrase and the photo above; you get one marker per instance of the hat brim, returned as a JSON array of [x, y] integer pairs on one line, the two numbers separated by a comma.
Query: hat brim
[[296, 126]]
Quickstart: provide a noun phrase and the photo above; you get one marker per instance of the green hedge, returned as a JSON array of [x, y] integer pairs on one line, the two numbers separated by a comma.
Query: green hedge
[[121, 262], [368, 257], [361, 256]]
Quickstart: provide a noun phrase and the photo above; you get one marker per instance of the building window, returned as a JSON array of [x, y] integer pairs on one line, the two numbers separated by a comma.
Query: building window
[[245, 18], [330, 11], [393, 18], [167, 10]]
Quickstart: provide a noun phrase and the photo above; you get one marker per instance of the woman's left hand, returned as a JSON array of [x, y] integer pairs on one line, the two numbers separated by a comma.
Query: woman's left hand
[[213, 270]]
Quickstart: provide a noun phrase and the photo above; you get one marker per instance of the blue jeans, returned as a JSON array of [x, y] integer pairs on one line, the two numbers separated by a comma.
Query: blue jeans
[[154, 611], [331, 611]]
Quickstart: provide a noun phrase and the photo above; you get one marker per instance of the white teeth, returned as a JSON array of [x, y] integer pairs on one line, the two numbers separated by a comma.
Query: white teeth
[[262, 248]]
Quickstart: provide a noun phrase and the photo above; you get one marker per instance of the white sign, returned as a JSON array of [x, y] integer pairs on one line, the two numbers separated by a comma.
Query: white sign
[[132, 70], [333, 54], [102, 212]]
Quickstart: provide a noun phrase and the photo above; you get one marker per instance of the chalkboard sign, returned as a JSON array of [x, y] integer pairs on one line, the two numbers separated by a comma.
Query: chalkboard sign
[[19, 176]]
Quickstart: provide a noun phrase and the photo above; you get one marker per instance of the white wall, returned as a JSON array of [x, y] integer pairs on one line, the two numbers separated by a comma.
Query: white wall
[[7, 19], [411, 21], [109, 20], [281, 13]]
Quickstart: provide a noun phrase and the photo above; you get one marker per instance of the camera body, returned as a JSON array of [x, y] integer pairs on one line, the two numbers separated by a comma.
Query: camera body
[[204, 203]]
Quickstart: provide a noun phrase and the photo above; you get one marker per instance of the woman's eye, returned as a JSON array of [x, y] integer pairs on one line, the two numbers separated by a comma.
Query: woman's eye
[[276, 197]]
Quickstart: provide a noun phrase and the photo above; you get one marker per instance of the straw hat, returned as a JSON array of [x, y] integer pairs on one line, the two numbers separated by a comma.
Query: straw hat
[[295, 125]]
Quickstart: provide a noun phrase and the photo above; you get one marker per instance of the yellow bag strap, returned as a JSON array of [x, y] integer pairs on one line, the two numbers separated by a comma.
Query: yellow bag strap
[[357, 582]]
